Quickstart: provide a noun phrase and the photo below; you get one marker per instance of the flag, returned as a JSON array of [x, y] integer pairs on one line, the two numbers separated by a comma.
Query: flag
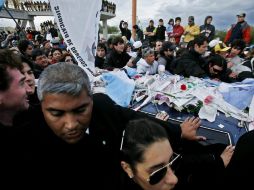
[[78, 22], [1, 4]]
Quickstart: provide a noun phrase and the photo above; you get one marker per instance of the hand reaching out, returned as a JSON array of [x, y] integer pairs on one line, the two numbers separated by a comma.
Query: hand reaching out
[[189, 129]]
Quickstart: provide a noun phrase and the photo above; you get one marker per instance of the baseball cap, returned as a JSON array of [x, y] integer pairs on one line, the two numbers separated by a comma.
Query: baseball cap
[[137, 44], [241, 15], [221, 47]]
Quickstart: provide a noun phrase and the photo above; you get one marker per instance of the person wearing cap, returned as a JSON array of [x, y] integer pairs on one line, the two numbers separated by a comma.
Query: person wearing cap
[[166, 57], [136, 54], [124, 30], [221, 49], [240, 30], [191, 30]]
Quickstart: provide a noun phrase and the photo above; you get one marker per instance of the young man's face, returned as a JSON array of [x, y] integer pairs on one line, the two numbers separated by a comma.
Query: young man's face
[[30, 79], [202, 48], [42, 61], [100, 52], [178, 22], [151, 23], [68, 116], [15, 98], [240, 18], [119, 47]]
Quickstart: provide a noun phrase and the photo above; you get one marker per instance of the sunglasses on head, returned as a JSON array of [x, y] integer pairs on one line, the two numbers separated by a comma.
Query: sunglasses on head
[[216, 70], [159, 174]]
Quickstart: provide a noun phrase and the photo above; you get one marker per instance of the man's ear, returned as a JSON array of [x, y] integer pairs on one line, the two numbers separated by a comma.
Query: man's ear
[[127, 168]]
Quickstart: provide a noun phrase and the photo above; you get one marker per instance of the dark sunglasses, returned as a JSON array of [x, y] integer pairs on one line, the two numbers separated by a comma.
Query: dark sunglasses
[[159, 174]]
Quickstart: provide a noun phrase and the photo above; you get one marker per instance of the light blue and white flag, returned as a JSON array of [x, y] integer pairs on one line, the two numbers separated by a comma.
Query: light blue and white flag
[[78, 22], [1, 4]]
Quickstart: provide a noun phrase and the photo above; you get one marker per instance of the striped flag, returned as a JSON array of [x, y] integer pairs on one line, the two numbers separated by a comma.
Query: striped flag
[[1, 4]]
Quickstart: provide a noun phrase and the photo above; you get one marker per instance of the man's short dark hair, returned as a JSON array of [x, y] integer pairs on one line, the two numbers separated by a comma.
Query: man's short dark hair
[[102, 46], [23, 45], [238, 44], [8, 59], [36, 53], [117, 40], [199, 40], [178, 18]]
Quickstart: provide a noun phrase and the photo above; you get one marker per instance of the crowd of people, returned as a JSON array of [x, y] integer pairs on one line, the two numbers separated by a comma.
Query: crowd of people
[[108, 7], [188, 51], [29, 5], [53, 127]]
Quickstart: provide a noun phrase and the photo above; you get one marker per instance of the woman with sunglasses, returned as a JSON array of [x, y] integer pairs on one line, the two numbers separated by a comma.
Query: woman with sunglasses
[[147, 157]]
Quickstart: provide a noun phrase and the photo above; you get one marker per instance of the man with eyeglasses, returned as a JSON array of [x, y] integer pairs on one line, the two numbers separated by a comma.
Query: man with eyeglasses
[[77, 131]]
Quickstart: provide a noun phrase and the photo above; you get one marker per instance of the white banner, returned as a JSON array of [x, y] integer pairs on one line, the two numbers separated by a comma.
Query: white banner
[[78, 21]]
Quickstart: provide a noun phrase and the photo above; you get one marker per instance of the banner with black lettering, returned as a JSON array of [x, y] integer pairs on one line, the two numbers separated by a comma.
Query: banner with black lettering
[[78, 22]]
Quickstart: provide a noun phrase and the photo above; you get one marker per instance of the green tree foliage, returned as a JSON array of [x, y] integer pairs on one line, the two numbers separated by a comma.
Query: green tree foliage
[[111, 29]]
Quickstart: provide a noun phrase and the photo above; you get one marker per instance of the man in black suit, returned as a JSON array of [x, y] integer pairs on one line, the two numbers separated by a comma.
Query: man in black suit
[[76, 130]]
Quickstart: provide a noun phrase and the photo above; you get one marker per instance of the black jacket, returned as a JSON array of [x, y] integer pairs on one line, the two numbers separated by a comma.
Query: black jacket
[[116, 60], [189, 64], [94, 160]]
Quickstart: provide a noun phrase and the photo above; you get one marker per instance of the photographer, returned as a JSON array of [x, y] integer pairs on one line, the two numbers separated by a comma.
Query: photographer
[[6, 42]]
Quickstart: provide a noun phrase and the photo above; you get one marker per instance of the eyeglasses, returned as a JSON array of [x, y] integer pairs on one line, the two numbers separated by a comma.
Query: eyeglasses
[[156, 176], [159, 174]]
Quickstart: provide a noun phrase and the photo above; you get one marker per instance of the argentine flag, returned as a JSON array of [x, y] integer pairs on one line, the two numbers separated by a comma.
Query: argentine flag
[[1, 4]]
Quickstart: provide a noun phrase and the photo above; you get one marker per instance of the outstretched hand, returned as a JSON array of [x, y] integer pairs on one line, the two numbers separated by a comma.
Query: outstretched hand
[[189, 129]]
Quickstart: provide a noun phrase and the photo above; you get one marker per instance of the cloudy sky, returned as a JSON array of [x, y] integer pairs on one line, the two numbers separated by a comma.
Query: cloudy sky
[[223, 12]]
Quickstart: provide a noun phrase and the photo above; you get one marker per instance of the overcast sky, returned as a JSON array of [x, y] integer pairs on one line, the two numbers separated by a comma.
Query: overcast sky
[[223, 12]]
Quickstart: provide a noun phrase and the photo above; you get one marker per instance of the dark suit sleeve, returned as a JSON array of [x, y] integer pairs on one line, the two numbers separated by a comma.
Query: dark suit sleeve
[[118, 117]]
